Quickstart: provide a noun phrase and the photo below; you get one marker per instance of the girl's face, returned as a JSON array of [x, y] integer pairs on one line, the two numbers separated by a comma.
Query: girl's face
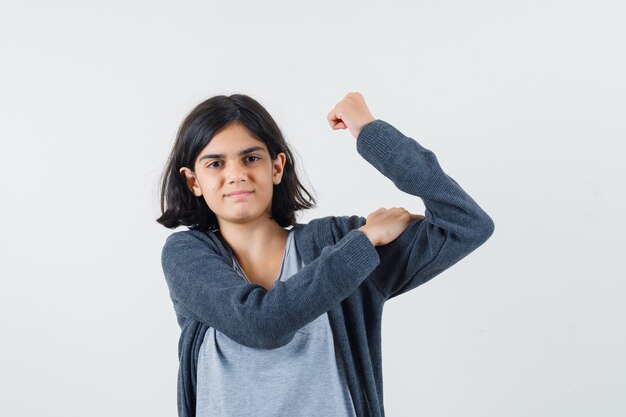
[[236, 161]]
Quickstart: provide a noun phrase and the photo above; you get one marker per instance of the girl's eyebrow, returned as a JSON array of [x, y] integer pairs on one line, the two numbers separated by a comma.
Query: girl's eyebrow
[[221, 155]]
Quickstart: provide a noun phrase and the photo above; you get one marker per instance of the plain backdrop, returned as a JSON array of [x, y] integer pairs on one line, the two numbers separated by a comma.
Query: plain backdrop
[[521, 102]]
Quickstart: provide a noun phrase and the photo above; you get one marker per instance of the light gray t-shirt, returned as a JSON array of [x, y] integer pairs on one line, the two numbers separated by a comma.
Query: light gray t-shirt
[[301, 379]]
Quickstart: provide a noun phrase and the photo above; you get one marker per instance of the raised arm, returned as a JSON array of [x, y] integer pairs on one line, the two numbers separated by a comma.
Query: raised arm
[[207, 287], [454, 224]]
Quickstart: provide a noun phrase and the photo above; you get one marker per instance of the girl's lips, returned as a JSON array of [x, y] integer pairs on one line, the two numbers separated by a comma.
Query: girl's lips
[[240, 194]]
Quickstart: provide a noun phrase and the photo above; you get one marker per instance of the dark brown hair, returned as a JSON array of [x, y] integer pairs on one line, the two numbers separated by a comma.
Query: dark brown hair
[[179, 206]]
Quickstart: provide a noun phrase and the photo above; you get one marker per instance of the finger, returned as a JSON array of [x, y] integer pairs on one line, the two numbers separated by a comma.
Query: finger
[[337, 125], [335, 114], [331, 118]]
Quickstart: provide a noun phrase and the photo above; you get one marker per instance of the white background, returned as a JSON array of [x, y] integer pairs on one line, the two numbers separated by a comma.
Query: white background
[[522, 102]]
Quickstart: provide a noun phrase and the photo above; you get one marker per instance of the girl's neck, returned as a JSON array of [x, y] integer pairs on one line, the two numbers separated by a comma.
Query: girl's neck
[[254, 242]]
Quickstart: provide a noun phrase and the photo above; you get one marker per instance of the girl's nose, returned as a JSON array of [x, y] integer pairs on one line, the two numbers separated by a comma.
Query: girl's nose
[[235, 172]]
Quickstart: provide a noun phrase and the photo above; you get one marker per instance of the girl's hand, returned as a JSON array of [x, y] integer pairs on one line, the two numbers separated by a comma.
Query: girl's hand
[[351, 113], [385, 225]]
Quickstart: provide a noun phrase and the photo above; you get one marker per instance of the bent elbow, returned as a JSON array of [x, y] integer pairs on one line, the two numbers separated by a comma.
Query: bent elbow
[[483, 230], [488, 227], [475, 235]]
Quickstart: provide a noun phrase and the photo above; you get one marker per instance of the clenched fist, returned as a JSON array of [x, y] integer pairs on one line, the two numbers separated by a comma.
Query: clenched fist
[[351, 113]]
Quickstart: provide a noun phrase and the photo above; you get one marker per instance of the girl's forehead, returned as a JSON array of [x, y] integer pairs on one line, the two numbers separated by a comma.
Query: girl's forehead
[[232, 136], [233, 144]]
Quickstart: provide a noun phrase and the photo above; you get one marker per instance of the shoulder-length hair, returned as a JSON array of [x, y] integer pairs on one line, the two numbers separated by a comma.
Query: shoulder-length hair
[[179, 206]]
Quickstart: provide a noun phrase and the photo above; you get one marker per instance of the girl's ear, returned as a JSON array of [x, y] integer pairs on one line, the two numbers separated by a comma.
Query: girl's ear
[[278, 168], [191, 181]]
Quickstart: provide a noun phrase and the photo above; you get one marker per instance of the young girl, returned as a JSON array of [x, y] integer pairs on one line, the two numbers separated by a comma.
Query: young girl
[[287, 322]]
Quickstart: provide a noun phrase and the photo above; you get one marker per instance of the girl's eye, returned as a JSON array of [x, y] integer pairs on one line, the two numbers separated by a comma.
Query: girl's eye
[[216, 162]]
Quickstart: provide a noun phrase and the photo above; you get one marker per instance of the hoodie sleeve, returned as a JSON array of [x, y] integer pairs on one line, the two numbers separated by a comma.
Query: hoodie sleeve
[[454, 224], [207, 288]]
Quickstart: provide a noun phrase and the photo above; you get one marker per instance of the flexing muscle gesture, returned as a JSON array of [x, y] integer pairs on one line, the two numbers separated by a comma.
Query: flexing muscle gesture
[[383, 225]]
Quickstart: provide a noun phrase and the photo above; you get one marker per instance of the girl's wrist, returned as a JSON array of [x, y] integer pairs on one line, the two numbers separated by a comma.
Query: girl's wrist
[[368, 234]]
